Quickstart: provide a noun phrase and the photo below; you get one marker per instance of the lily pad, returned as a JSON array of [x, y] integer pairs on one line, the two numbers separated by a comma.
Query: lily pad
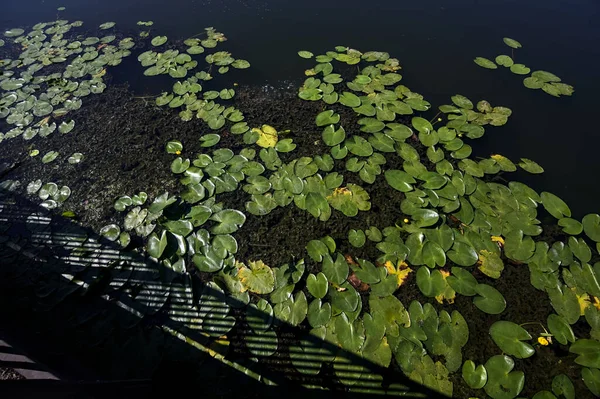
[[504, 60], [509, 337], [257, 277], [519, 69], [305, 54], [485, 63], [530, 166], [503, 383], [159, 40], [511, 42], [489, 299], [357, 238]]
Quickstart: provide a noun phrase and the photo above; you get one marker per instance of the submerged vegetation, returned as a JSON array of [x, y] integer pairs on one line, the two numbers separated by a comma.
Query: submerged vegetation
[[459, 223]]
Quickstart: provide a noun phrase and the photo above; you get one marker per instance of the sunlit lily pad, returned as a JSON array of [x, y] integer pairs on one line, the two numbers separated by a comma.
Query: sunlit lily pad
[[511, 42], [519, 69], [159, 40], [485, 63]]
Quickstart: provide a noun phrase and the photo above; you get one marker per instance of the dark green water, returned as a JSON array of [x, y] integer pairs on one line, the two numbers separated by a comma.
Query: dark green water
[[435, 41]]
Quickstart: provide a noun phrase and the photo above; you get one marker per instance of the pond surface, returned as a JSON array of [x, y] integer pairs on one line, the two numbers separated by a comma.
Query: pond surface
[[435, 42], [123, 138]]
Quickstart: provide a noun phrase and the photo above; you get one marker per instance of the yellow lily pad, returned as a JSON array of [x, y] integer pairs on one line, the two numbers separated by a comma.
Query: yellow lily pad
[[267, 136]]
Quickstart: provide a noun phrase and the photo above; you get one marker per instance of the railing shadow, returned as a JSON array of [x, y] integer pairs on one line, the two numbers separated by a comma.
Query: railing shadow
[[94, 312]]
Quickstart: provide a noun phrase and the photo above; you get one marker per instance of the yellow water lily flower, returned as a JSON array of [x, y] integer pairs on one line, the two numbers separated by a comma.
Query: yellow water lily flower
[[406, 220], [498, 239], [543, 341], [177, 152]]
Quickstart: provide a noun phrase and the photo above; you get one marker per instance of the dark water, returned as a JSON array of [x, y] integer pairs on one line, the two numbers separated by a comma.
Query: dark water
[[435, 42]]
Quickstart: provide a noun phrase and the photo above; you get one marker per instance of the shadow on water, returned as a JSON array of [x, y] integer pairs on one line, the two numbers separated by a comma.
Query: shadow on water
[[109, 321]]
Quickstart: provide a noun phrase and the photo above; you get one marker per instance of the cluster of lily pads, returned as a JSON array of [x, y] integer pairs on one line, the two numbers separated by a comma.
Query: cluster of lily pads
[[50, 193], [454, 217], [32, 102], [547, 81], [187, 93]]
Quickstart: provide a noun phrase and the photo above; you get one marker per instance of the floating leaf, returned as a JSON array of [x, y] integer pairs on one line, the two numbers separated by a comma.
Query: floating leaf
[[555, 206], [519, 69], [357, 238], [489, 299], [562, 385], [530, 166], [256, 277], [49, 156], [229, 221], [305, 54], [503, 383], [475, 377], [159, 40], [317, 285], [328, 117], [509, 337], [560, 329], [591, 226], [485, 63], [511, 42], [504, 60]]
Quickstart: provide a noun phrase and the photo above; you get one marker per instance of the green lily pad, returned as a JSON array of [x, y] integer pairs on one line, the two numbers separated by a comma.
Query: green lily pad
[[591, 379], [328, 117], [519, 69], [489, 299], [530, 166], [229, 221], [357, 238], [463, 254], [285, 145], [371, 125], [180, 165], [14, 32], [319, 314], [159, 40], [174, 147], [110, 231], [560, 329], [335, 271], [555, 206], [259, 316], [305, 54], [485, 63], [107, 25], [475, 377], [349, 99], [49, 156], [588, 351], [209, 140], [503, 383], [509, 337], [504, 60], [462, 281], [156, 245], [257, 277], [511, 42], [399, 180], [317, 285], [570, 226], [562, 385], [591, 226]]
